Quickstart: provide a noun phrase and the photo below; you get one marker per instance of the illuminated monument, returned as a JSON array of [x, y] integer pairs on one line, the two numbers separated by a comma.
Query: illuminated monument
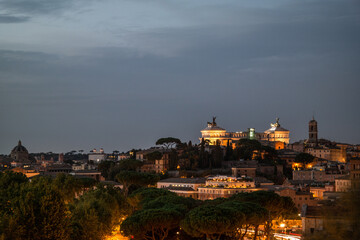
[[277, 135]]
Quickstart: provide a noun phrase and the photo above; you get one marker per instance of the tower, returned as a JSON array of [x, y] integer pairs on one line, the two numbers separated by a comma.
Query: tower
[[313, 133]]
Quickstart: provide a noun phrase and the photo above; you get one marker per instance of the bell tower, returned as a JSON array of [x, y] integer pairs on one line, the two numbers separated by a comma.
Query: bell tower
[[313, 133]]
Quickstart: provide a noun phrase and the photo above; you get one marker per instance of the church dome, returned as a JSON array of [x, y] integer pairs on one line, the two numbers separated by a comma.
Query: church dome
[[19, 153], [19, 148]]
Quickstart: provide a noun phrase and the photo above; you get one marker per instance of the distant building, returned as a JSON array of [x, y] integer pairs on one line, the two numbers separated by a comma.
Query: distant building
[[313, 133], [312, 219], [343, 184], [19, 153], [89, 173], [244, 170], [224, 186], [185, 187], [331, 153], [28, 172], [123, 156], [299, 197], [97, 157], [61, 158], [158, 165], [318, 192], [287, 155], [53, 169], [217, 135], [354, 167], [316, 175]]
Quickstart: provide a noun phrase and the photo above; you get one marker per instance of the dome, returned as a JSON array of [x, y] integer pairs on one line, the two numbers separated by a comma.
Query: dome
[[19, 153], [212, 126], [275, 127], [19, 148]]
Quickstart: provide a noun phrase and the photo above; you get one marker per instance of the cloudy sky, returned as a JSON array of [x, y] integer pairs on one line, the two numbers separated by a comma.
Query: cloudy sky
[[119, 74]]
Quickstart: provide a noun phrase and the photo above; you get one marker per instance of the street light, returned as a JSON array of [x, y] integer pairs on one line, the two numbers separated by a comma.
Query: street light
[[283, 225]]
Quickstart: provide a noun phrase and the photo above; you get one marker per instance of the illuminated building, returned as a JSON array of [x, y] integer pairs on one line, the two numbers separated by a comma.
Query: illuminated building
[[28, 172], [214, 134], [224, 186], [299, 197], [322, 148], [97, 157], [185, 187], [336, 154], [343, 184]]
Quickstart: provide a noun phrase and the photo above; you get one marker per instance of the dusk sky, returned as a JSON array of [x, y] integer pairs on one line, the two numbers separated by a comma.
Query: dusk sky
[[119, 74]]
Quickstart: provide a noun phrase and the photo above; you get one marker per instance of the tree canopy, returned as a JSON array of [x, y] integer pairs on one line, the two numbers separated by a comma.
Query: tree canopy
[[128, 178], [168, 142], [304, 158]]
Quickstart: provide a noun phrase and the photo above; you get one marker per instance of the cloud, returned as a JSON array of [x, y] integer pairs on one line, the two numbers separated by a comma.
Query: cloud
[[245, 64], [4, 18], [35, 6]]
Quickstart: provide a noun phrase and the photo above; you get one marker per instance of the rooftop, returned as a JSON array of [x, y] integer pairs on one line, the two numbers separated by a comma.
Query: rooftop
[[275, 127], [180, 188], [184, 180]]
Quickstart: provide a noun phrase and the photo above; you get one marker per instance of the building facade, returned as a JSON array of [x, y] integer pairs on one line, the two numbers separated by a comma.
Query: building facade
[[315, 175], [214, 134], [299, 198]]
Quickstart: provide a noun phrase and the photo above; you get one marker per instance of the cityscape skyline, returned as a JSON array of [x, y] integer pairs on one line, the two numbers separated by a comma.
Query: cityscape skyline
[[152, 144]]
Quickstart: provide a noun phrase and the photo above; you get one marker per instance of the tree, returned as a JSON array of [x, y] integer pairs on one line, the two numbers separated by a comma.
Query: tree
[[203, 155], [144, 195], [217, 156], [229, 152], [276, 205], [123, 165], [246, 147], [151, 224], [104, 167], [168, 142], [156, 155], [254, 214], [167, 208], [128, 178], [269, 152], [68, 185], [38, 212], [304, 159], [222, 219], [97, 213], [130, 164], [172, 201]]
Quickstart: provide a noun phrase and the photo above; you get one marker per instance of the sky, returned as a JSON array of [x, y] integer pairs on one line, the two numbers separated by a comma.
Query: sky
[[119, 74]]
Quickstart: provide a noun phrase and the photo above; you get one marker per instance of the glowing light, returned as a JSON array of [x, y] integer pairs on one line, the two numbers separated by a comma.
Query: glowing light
[[282, 225]]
